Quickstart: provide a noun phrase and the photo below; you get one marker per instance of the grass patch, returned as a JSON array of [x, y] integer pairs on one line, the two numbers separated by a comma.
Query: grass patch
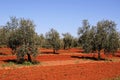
[[9, 64], [116, 78], [13, 63], [26, 63]]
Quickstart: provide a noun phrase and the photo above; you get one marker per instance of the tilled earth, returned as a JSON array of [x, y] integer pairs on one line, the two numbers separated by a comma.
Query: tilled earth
[[81, 71], [61, 67]]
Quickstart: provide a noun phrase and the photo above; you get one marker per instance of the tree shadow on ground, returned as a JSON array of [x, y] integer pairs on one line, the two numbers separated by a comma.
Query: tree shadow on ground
[[14, 61], [20, 62], [117, 55], [78, 51], [49, 53], [89, 58], [2, 53], [10, 60]]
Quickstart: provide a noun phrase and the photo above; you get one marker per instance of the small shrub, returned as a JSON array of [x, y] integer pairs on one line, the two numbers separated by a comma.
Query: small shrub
[[8, 64], [27, 63]]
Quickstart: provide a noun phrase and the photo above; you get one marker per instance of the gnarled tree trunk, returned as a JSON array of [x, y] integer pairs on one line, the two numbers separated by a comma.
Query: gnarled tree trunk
[[99, 55], [29, 58]]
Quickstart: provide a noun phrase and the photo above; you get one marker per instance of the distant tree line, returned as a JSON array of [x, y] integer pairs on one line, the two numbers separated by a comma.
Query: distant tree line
[[19, 35]]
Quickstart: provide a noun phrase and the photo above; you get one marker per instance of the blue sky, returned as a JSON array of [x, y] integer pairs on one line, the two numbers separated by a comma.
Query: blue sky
[[62, 15]]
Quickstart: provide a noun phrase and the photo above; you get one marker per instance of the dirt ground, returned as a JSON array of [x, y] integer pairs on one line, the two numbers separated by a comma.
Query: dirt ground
[[67, 65]]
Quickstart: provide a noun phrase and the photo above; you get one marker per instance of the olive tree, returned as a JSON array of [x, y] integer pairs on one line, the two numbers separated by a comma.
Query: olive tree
[[3, 37], [109, 35], [75, 42], [67, 40], [41, 40], [104, 36], [22, 39], [7, 30], [53, 39], [84, 36]]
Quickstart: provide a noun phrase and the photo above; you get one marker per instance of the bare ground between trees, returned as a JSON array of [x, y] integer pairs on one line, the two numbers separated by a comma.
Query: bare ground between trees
[[63, 70], [63, 66]]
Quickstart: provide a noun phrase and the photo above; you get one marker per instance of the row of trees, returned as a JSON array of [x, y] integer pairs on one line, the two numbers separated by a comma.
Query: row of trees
[[53, 40], [103, 36], [20, 36]]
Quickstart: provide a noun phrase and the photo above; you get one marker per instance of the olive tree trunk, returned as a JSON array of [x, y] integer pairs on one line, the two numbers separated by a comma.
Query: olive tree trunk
[[29, 58]]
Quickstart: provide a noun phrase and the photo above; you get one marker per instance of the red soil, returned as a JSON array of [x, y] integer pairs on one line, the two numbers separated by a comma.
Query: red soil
[[5, 51], [83, 71], [67, 65]]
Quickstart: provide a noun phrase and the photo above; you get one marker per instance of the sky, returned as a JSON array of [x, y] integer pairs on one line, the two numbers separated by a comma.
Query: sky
[[62, 15]]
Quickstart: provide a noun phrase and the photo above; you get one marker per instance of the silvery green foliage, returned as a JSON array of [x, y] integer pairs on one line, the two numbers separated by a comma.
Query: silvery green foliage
[[67, 40], [103, 36], [53, 39], [22, 38]]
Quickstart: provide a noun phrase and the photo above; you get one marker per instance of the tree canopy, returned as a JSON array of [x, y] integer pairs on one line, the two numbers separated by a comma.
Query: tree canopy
[[54, 39], [67, 40], [21, 38], [103, 36], [19, 34]]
